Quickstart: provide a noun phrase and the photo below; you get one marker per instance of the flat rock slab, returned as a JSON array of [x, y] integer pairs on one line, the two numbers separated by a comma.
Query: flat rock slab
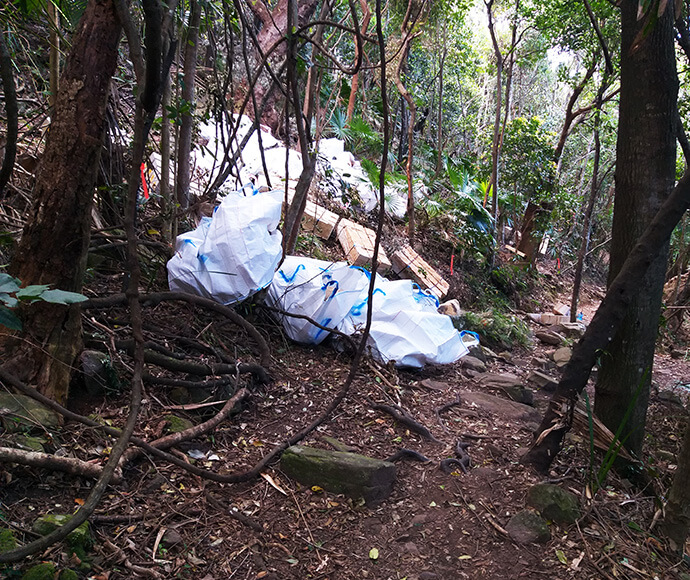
[[562, 356], [499, 381], [499, 406], [470, 362], [19, 412], [527, 527], [554, 503], [351, 474], [543, 381], [548, 337]]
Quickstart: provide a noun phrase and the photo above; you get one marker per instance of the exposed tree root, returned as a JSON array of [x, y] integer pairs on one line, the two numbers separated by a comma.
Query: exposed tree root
[[157, 297], [401, 417]]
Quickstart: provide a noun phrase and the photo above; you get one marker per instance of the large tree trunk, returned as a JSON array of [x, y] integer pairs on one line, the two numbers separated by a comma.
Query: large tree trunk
[[56, 237], [676, 524], [645, 173], [12, 112]]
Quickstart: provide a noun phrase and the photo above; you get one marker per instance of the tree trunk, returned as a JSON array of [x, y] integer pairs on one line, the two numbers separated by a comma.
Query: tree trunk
[[53, 246], [439, 122], [606, 322], [274, 29], [12, 112], [366, 18], [496, 144], [676, 524], [645, 173], [587, 218], [54, 58], [184, 145]]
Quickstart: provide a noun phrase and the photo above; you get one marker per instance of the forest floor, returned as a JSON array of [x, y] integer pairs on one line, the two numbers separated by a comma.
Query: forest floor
[[433, 525]]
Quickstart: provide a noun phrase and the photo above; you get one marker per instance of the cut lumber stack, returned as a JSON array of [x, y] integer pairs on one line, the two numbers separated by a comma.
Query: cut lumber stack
[[358, 244], [409, 264], [318, 220]]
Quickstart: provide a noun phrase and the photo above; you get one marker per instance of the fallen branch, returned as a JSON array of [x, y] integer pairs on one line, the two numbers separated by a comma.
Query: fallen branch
[[195, 431], [193, 368], [234, 513], [69, 465], [443, 409]]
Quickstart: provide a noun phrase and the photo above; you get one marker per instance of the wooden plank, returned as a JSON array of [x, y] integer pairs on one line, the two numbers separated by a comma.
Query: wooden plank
[[358, 244], [409, 264]]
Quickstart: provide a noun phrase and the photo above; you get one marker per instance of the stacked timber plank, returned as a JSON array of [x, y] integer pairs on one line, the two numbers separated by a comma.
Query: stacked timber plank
[[409, 264], [358, 244], [318, 220]]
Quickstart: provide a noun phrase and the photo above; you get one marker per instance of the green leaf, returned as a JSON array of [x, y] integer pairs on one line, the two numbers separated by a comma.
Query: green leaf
[[62, 297], [33, 291], [8, 284], [9, 320], [374, 554], [561, 557], [7, 300]]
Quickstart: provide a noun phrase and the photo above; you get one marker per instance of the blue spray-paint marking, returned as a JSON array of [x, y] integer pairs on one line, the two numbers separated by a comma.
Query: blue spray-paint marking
[[290, 279], [328, 284], [203, 258], [190, 242], [324, 322], [356, 310]]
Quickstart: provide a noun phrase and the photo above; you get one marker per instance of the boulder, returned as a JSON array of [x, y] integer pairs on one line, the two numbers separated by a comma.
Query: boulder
[[99, 376], [42, 571], [352, 474], [561, 356], [20, 412], [554, 503], [78, 540], [7, 540], [527, 527], [177, 424], [520, 394]]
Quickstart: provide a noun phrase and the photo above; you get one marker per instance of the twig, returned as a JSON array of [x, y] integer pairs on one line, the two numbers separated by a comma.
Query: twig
[[234, 513]]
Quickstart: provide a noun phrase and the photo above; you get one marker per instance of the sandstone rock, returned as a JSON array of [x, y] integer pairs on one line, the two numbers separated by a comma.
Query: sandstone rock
[[548, 337], [20, 412], [500, 406], [97, 373], [527, 527], [520, 394], [499, 381], [478, 352], [554, 503], [79, 540], [562, 356], [42, 571], [351, 474], [435, 385], [470, 362], [543, 381]]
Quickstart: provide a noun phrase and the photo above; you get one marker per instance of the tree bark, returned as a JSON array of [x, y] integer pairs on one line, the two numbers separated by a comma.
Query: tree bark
[[53, 246], [12, 112], [587, 218], [366, 18], [606, 322], [645, 173], [676, 523], [184, 145]]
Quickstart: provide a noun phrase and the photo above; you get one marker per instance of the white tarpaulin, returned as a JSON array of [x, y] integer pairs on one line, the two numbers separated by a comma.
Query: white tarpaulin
[[233, 254]]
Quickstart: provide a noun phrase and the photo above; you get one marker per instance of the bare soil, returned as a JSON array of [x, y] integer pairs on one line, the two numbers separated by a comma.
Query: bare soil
[[434, 525]]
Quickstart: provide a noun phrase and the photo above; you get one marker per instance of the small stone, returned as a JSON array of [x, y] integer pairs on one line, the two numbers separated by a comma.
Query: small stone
[[554, 503], [562, 356], [470, 362], [171, 537], [548, 337], [435, 385], [670, 397], [527, 527], [506, 356]]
